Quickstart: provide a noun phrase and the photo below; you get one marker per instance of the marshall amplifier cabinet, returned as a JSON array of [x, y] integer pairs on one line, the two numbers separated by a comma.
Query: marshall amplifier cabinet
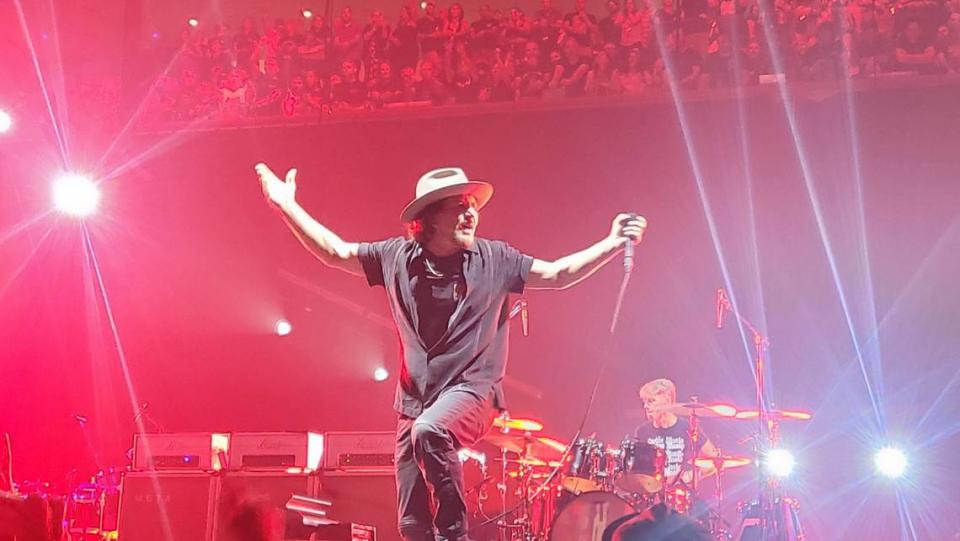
[[358, 478], [158, 506], [267, 490], [363, 498], [275, 451], [359, 452], [179, 451], [345, 532]]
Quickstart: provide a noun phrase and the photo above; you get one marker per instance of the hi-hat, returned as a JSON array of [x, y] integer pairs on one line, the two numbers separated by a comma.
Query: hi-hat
[[533, 462], [526, 425], [527, 445], [722, 462]]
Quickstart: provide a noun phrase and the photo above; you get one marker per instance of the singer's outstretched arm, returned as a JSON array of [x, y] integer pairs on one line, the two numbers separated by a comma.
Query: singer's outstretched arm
[[326, 245], [571, 269]]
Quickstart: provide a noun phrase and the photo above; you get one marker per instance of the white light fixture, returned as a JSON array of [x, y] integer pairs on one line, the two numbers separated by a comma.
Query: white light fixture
[[6, 121], [890, 462], [76, 195], [779, 462]]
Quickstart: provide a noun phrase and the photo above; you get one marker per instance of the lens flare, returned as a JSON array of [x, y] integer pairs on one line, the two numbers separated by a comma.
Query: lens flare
[[76, 195], [780, 463], [890, 462]]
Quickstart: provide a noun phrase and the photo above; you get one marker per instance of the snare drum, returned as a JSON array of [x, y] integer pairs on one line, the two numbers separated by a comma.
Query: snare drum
[[587, 467], [640, 467]]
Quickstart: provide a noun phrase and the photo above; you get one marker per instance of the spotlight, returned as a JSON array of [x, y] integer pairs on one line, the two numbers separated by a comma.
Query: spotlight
[[193, 22], [307, 14], [76, 195], [283, 327], [381, 374], [779, 463], [890, 462], [6, 121]]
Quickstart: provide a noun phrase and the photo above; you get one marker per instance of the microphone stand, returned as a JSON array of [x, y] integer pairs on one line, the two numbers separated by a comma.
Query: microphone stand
[[764, 439], [91, 448], [142, 418]]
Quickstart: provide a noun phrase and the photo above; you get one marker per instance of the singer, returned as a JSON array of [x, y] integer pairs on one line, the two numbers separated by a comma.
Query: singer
[[448, 293]]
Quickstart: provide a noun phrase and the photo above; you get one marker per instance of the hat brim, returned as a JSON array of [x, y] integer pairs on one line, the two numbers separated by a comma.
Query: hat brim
[[483, 191]]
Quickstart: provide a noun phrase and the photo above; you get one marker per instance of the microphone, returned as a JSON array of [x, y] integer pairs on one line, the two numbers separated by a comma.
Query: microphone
[[721, 306], [524, 318], [628, 249]]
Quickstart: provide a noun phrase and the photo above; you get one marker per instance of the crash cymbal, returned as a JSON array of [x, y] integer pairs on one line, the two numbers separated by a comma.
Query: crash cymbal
[[722, 462], [687, 409], [526, 425], [777, 415], [527, 445]]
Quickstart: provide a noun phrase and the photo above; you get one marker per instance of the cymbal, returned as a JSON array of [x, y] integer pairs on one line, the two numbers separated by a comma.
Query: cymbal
[[527, 445], [533, 475], [526, 425], [777, 415], [533, 462], [722, 462], [688, 409]]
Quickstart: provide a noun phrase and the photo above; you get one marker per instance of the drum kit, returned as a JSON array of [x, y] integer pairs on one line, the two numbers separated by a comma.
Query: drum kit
[[549, 491]]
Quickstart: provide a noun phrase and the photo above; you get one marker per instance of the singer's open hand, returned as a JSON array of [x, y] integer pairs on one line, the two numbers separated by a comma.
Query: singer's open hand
[[278, 192], [627, 227]]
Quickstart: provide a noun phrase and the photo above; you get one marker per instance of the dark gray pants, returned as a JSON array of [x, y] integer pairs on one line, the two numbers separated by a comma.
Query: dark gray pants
[[427, 463]]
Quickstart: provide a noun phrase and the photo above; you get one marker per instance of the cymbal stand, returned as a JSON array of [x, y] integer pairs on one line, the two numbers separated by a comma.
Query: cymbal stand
[[524, 475], [717, 524], [693, 432], [502, 528]]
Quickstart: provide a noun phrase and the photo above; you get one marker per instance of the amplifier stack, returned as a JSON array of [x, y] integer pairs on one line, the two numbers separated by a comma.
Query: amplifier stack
[[193, 485]]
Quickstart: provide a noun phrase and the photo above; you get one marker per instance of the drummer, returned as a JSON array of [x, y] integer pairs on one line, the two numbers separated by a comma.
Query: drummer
[[671, 432]]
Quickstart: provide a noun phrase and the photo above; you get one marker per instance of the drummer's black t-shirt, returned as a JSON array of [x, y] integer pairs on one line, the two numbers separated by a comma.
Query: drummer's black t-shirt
[[675, 440]]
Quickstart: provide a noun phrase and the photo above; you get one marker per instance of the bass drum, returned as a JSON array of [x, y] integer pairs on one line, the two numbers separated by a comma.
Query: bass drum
[[585, 517]]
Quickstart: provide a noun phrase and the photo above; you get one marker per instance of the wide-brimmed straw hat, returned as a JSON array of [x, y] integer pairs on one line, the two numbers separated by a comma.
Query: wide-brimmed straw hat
[[442, 183]]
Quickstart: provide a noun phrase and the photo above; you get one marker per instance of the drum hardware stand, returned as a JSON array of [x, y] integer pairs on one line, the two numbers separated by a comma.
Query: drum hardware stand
[[502, 489]]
